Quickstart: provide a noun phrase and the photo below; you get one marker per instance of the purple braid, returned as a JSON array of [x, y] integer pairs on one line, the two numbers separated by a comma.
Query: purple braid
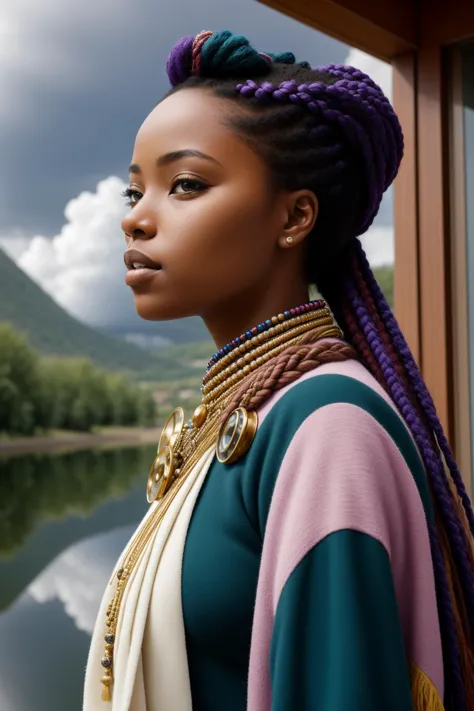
[[419, 386], [332, 130], [432, 462], [409, 415]]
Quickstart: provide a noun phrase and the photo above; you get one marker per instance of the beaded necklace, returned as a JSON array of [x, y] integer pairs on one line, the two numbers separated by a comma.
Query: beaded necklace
[[264, 326], [182, 445]]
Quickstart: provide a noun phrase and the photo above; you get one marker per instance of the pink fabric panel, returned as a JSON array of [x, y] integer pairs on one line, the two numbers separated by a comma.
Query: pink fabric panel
[[343, 471]]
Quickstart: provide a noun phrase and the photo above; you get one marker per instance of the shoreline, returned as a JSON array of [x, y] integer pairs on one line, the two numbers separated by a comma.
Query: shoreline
[[75, 441]]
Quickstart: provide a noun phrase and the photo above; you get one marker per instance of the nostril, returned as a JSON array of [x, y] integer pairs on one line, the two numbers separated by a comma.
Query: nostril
[[138, 234]]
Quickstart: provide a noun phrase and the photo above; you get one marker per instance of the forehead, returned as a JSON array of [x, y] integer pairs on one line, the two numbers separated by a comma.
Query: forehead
[[187, 118]]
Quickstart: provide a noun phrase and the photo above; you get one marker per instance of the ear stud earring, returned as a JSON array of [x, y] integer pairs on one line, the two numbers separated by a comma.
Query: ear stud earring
[[289, 239]]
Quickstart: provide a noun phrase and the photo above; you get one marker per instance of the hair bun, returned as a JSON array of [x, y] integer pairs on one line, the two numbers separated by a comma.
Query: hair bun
[[220, 55]]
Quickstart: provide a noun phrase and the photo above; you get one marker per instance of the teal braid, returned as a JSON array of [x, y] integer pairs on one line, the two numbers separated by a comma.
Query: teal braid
[[225, 52]]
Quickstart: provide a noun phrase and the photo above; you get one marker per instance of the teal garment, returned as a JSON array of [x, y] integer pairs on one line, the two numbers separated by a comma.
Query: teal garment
[[220, 573], [337, 642]]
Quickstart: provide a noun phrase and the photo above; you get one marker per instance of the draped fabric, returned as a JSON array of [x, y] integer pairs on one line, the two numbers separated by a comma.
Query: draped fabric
[[150, 661]]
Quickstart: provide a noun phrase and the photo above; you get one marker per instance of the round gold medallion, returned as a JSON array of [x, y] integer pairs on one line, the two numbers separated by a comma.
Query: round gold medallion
[[172, 429], [236, 435], [161, 475]]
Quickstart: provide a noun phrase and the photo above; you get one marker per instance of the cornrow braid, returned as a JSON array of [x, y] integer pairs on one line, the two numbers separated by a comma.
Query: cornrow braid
[[331, 130]]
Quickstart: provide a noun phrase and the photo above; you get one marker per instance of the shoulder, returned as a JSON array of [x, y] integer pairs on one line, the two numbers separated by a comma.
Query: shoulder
[[347, 382], [332, 436]]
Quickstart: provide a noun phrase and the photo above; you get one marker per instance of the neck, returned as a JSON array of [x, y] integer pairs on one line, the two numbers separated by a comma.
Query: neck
[[232, 319]]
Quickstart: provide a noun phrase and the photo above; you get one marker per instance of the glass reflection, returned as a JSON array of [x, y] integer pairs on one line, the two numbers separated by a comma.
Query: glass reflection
[[64, 520]]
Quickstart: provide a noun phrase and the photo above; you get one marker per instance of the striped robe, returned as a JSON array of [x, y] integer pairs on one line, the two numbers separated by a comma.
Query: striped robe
[[299, 578], [307, 578]]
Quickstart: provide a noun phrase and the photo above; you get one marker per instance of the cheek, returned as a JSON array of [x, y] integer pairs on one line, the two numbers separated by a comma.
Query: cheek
[[222, 230]]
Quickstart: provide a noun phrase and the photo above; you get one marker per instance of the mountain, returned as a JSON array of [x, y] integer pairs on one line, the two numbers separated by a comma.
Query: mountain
[[52, 331], [151, 335]]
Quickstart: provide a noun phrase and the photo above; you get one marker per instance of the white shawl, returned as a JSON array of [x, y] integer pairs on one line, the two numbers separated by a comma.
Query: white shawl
[[150, 660]]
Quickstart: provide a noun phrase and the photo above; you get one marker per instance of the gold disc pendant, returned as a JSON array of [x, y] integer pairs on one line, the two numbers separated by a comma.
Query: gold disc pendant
[[236, 435], [161, 475], [172, 429]]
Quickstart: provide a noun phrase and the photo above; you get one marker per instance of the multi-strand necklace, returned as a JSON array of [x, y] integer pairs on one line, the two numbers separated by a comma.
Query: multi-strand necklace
[[183, 444]]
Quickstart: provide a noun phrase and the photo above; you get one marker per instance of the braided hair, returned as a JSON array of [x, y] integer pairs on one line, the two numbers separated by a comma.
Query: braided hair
[[333, 131]]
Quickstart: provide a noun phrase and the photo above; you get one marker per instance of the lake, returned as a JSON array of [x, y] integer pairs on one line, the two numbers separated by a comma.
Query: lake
[[64, 520]]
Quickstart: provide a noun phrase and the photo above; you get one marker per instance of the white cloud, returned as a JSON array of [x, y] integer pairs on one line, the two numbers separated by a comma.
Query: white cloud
[[79, 576], [379, 246], [82, 266], [379, 71], [14, 244]]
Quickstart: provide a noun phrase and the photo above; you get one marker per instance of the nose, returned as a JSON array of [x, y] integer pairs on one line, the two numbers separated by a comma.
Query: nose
[[139, 224]]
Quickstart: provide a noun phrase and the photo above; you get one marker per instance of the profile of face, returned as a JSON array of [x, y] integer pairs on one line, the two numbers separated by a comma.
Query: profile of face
[[205, 211]]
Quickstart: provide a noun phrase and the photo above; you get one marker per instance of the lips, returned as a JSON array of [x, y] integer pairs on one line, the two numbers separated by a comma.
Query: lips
[[134, 259], [141, 268]]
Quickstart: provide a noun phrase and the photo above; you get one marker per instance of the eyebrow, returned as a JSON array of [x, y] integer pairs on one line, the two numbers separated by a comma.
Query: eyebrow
[[173, 157]]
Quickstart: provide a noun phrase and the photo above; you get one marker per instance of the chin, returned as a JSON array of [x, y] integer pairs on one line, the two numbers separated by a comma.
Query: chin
[[149, 308]]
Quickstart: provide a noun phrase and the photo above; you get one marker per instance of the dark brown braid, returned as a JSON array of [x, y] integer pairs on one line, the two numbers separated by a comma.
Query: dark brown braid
[[287, 367]]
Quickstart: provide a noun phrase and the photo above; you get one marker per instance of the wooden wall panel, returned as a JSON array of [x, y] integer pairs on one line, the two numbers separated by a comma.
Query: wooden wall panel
[[434, 264], [380, 28], [458, 252], [443, 23], [406, 281]]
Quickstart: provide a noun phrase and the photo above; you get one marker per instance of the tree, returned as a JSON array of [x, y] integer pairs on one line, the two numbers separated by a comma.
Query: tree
[[19, 382]]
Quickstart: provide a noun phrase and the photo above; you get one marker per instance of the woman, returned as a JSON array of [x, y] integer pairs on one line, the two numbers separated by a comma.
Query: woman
[[309, 540]]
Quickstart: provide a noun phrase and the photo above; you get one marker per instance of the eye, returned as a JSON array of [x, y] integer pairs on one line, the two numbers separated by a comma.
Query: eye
[[187, 185], [132, 196]]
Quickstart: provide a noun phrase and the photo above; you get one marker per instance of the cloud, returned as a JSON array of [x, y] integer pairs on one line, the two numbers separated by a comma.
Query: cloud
[[379, 246], [78, 78], [36, 49], [79, 576], [82, 266], [42, 45], [379, 71]]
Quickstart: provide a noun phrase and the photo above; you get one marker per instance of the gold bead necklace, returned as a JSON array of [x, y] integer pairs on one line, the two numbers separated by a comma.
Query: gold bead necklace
[[280, 325]]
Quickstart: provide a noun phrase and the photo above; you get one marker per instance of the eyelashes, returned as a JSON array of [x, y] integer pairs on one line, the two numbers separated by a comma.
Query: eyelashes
[[184, 185], [193, 185], [130, 196]]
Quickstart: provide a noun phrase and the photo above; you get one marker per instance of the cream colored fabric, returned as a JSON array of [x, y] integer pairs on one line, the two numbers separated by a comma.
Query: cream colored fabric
[[150, 661]]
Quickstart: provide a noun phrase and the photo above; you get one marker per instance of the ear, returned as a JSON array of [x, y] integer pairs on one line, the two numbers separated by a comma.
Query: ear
[[301, 215]]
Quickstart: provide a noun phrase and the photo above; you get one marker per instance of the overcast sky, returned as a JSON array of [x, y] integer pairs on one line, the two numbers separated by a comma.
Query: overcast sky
[[79, 78]]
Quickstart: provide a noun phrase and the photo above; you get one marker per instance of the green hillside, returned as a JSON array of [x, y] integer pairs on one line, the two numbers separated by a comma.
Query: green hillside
[[52, 331]]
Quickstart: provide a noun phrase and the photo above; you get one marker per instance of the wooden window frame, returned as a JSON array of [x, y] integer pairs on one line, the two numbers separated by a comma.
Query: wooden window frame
[[429, 218], [459, 276]]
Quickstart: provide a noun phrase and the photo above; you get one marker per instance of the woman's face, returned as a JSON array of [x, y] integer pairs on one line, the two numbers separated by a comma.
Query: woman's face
[[203, 210]]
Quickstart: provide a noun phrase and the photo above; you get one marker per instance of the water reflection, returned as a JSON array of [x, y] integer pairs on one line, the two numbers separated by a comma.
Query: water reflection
[[83, 508]]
